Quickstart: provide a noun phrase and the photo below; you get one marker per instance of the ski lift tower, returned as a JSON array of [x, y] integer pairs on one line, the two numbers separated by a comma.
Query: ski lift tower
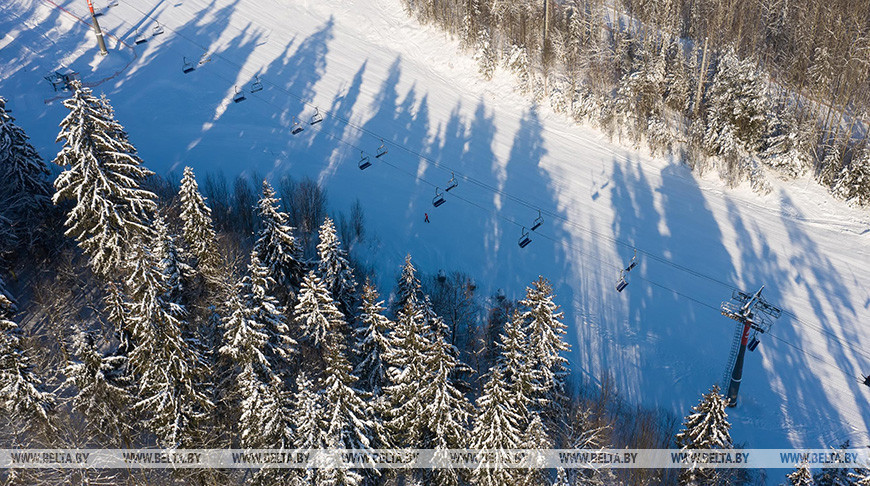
[[100, 42], [757, 315]]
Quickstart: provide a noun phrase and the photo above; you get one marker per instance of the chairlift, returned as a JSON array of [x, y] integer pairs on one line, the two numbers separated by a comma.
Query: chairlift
[[538, 221], [158, 29], [297, 127], [382, 150], [867, 380], [364, 161], [525, 239], [140, 38], [188, 66], [257, 85], [452, 182], [239, 96], [442, 277], [439, 197], [622, 283], [317, 117], [633, 262]]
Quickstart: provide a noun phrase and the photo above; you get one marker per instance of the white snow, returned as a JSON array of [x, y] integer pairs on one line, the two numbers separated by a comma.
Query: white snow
[[376, 74]]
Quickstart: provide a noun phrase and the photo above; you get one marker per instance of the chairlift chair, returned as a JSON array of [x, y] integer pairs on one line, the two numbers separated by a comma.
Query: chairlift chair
[[452, 182], [297, 127], [538, 221], [140, 38], [257, 85], [633, 262], [622, 283], [158, 29], [382, 150], [239, 96], [867, 380], [525, 239], [364, 161], [753, 343], [439, 198], [317, 117], [188, 66]]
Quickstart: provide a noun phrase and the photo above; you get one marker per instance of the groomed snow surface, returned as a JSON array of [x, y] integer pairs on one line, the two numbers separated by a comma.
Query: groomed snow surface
[[375, 74]]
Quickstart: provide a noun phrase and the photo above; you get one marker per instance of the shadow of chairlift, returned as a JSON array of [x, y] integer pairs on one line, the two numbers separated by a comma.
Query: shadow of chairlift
[[316, 117], [239, 96], [622, 283], [187, 66], [438, 200], [256, 85], [364, 161], [157, 30]]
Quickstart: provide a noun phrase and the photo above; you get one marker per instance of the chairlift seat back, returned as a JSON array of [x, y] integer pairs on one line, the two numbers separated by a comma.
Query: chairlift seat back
[[382, 150], [537, 224], [239, 97], [753, 343], [524, 241], [438, 201], [257, 86], [621, 285], [296, 129], [364, 163], [158, 29], [630, 266]]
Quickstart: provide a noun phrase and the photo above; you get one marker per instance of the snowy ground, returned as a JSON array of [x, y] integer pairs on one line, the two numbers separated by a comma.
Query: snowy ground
[[375, 75]]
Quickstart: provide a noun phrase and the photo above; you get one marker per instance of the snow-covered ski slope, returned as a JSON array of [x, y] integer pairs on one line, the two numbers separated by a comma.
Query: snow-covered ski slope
[[375, 74]]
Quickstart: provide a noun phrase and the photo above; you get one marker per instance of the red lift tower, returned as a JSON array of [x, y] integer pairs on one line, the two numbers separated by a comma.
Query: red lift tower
[[757, 316]]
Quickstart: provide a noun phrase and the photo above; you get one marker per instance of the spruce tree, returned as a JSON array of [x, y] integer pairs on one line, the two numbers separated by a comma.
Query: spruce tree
[[169, 263], [408, 288], [279, 252], [198, 230], [110, 211], [737, 107], [516, 365], [334, 269], [316, 313], [372, 343], [496, 428], [705, 428], [861, 477], [172, 390], [24, 186], [265, 309], [801, 476], [546, 331], [22, 396], [104, 388]]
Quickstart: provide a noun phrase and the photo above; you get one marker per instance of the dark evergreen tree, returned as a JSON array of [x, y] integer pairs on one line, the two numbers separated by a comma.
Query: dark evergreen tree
[[198, 231], [24, 186], [372, 343], [705, 428], [279, 252], [334, 269]]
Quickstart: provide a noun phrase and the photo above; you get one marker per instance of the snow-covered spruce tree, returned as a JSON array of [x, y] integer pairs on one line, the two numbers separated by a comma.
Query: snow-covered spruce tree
[[110, 211], [801, 476], [404, 405], [170, 265], [408, 287], [546, 331], [447, 411], [535, 437], [335, 270], [172, 392], [516, 364], [705, 428], [316, 313], [22, 397], [24, 186], [264, 308], [198, 230], [496, 428], [277, 247], [350, 421], [104, 389], [258, 389], [835, 476], [860, 477], [310, 431], [372, 342], [736, 107], [853, 183]]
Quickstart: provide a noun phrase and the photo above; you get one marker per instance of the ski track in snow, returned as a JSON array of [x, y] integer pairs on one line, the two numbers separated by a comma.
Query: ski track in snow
[[365, 63]]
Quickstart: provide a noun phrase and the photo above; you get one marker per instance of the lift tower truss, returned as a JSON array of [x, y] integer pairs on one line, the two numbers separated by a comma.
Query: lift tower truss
[[756, 314]]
